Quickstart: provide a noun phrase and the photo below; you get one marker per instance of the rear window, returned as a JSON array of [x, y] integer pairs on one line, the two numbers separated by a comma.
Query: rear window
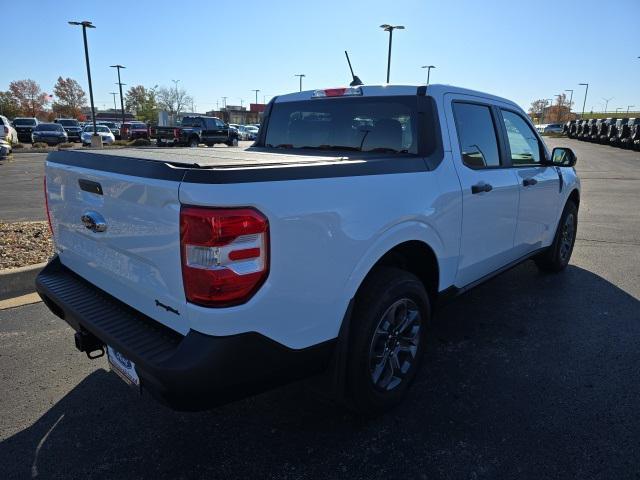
[[190, 122], [25, 122], [369, 124], [68, 123]]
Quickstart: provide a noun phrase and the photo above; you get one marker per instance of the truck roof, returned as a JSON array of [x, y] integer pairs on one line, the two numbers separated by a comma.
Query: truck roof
[[433, 90]]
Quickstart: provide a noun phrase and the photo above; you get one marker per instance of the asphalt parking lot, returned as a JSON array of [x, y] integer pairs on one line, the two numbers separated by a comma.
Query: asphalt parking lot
[[527, 376]]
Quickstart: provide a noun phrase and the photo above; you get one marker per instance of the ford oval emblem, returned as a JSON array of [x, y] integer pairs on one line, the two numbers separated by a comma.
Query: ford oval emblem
[[94, 221]]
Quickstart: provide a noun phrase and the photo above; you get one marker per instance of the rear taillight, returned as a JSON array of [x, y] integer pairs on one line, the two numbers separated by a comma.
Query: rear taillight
[[46, 205], [225, 254], [176, 133]]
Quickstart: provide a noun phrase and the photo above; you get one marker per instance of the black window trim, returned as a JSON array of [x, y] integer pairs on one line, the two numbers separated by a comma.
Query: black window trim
[[503, 158], [544, 160]]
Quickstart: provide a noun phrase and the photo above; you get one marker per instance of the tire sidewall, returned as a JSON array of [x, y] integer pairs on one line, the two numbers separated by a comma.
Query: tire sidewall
[[570, 208], [368, 312]]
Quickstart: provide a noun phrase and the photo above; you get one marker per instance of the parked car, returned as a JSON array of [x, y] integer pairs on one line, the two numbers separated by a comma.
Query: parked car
[[49, 133], [72, 127], [114, 127], [212, 275], [572, 128], [133, 130], [614, 131], [196, 130], [626, 133], [24, 127], [251, 132], [552, 128], [635, 134], [105, 134], [7, 132], [602, 130], [5, 149], [588, 129]]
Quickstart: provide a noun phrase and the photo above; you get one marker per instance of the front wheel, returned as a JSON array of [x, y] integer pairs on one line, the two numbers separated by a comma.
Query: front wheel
[[557, 256], [193, 142], [388, 337], [232, 143]]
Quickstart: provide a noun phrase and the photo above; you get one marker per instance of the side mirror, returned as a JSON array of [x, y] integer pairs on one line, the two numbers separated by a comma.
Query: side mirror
[[563, 157]]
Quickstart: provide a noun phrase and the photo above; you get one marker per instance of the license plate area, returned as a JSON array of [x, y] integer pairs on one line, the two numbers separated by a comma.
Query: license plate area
[[123, 367]]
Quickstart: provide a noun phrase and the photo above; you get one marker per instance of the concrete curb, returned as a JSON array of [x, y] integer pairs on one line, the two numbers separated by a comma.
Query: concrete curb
[[15, 282]]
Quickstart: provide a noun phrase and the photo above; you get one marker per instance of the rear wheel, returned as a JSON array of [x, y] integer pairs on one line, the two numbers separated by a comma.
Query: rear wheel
[[388, 336], [193, 142], [232, 143], [557, 256]]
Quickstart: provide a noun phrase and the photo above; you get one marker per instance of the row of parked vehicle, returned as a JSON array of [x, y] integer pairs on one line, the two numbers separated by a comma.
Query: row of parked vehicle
[[619, 132]]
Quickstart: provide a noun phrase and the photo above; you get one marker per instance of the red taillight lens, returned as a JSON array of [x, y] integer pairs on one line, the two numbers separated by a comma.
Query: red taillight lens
[[225, 254], [176, 133], [46, 205]]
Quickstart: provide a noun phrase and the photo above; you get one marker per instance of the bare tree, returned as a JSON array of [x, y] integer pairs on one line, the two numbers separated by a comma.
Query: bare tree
[[173, 100]]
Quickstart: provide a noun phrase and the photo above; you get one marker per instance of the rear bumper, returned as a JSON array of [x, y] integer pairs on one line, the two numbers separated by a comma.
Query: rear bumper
[[192, 372]]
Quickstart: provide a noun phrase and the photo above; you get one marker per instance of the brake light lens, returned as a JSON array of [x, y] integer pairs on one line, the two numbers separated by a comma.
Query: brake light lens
[[337, 92], [225, 254]]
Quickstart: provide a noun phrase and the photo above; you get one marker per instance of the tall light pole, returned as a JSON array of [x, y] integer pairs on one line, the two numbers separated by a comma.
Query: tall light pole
[[586, 90], [428, 67], [86, 24], [256, 92], [224, 102], [570, 100], [120, 84], [629, 106], [390, 28], [115, 108], [606, 103], [619, 108], [300, 75]]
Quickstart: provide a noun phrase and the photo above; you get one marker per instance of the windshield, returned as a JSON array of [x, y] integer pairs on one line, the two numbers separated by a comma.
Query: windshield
[[68, 123], [382, 124], [109, 124], [49, 127], [24, 121], [100, 128]]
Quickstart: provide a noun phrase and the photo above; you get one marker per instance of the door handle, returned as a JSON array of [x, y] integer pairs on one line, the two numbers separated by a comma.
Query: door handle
[[527, 182], [481, 187]]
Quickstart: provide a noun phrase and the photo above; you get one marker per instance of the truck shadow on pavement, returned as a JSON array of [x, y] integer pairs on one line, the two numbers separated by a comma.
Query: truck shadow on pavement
[[526, 374]]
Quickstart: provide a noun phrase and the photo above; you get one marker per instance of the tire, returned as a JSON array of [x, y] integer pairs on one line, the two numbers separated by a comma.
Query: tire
[[378, 353], [232, 143], [557, 256], [193, 142]]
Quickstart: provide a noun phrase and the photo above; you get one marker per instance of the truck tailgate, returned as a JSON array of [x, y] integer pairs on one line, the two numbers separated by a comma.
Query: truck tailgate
[[137, 257]]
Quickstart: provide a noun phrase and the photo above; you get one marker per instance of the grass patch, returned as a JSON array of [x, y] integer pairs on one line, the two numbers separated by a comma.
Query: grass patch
[[65, 145], [139, 142], [39, 145], [18, 146]]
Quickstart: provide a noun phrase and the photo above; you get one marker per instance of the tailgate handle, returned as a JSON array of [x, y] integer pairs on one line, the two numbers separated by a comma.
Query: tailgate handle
[[94, 221], [89, 186]]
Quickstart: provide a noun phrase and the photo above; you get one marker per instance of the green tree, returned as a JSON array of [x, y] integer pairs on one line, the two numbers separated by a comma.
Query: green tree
[[142, 102], [70, 98], [30, 97], [9, 106]]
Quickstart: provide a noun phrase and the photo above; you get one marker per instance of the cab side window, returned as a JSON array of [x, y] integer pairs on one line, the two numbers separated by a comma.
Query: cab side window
[[476, 135], [219, 123], [523, 143]]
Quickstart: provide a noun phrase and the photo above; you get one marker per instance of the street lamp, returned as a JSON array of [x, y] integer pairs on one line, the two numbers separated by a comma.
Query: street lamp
[[256, 92], [428, 67], [606, 104], [570, 100], [586, 90], [390, 28], [619, 108], [115, 108], [120, 84], [95, 138], [629, 106], [300, 75]]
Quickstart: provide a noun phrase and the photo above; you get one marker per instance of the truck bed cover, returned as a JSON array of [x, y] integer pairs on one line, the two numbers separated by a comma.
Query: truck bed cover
[[237, 165]]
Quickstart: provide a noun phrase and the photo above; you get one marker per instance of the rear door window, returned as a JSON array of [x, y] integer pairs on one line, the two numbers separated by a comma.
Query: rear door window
[[476, 135]]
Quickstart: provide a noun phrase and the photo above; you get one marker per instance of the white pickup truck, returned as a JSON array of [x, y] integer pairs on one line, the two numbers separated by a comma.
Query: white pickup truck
[[212, 274]]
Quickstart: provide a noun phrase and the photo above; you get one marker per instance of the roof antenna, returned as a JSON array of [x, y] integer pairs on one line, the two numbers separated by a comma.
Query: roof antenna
[[356, 80]]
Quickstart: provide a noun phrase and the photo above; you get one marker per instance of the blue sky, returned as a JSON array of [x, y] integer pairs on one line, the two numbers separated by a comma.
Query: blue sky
[[522, 50]]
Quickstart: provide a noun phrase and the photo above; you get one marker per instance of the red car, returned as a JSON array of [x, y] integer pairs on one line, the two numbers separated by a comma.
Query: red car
[[133, 130]]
